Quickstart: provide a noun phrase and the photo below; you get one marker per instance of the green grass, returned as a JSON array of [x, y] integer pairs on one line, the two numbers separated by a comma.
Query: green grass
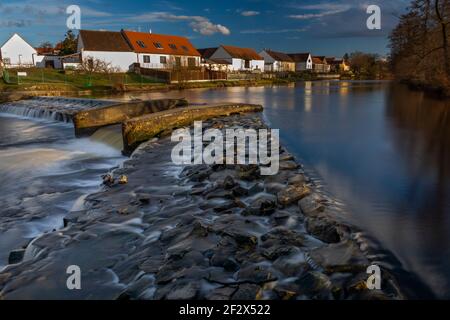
[[74, 79]]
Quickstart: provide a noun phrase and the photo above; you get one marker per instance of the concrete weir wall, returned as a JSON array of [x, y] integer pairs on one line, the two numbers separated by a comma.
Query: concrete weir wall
[[89, 120], [140, 129]]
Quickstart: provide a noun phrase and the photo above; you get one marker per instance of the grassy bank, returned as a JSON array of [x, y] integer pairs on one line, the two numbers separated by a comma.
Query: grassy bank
[[55, 82]]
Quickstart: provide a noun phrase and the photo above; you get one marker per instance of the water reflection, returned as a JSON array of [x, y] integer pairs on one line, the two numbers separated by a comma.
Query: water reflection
[[382, 150]]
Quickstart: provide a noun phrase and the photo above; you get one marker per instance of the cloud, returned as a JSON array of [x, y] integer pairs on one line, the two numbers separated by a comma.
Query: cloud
[[15, 23], [199, 24], [249, 13], [325, 9]]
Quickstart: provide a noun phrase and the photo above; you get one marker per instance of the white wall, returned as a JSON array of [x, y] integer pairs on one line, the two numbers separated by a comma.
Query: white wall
[[120, 60], [19, 52], [155, 60]]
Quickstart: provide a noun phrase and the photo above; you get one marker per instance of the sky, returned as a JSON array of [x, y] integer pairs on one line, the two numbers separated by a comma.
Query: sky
[[327, 27]]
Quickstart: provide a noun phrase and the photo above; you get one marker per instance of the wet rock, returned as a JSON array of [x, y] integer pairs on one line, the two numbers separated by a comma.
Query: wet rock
[[222, 293], [311, 205], [340, 257], [282, 236], [288, 165], [143, 198], [228, 183], [276, 251], [291, 267], [248, 172], [297, 179], [256, 274], [108, 179], [186, 290], [225, 206], [246, 292], [274, 187], [225, 260], [256, 188], [239, 191], [16, 256], [263, 205], [123, 179], [224, 194], [292, 194], [323, 230], [315, 285]]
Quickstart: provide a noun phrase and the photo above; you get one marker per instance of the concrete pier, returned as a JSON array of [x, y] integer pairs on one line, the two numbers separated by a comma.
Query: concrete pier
[[88, 120], [140, 129]]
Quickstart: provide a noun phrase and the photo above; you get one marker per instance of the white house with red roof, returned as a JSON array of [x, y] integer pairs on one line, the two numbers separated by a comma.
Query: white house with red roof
[[159, 51], [240, 59]]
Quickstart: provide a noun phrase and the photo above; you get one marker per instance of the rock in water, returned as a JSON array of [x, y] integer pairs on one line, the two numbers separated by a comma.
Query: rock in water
[[123, 179], [108, 179], [16, 256], [292, 194]]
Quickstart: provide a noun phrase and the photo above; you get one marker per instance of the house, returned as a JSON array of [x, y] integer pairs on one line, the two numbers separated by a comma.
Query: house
[[277, 61], [16, 52], [158, 51], [338, 65], [108, 46], [241, 59], [320, 64], [214, 64], [303, 61], [50, 58]]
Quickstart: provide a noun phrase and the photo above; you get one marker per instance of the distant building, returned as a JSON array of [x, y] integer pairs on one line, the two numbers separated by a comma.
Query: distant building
[[214, 64], [240, 59], [303, 61], [277, 61], [320, 64], [338, 65], [16, 52], [108, 46], [157, 51]]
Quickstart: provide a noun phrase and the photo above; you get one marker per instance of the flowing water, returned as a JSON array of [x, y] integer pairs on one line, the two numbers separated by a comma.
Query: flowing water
[[45, 172], [382, 150]]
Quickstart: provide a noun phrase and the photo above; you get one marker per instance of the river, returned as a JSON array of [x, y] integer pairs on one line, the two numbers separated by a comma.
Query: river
[[381, 150]]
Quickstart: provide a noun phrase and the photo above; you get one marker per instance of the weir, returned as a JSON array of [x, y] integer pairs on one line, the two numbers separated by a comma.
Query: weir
[[140, 120]]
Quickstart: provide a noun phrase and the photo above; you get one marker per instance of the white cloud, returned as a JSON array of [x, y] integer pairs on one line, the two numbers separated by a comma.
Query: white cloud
[[249, 13], [199, 24], [325, 9]]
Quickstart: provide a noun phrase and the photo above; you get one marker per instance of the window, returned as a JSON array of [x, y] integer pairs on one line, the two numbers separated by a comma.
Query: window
[[178, 61], [146, 59], [158, 45], [247, 64], [141, 44], [172, 46], [191, 62], [185, 48], [163, 59], [7, 61]]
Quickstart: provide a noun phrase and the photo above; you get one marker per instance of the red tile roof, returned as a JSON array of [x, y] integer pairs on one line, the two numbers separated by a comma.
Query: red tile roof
[[279, 56], [299, 57], [143, 42], [242, 53]]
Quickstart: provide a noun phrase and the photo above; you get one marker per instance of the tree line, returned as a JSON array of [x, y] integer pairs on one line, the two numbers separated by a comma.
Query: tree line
[[420, 45]]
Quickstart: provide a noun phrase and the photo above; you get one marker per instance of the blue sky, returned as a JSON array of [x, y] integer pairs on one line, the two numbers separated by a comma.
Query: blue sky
[[322, 27]]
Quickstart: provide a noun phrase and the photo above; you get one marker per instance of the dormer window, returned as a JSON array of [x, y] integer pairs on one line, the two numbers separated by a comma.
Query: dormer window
[[185, 48], [158, 45], [172, 46], [141, 44]]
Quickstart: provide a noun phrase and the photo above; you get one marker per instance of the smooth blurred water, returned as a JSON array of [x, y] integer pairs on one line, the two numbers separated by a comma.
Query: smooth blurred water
[[382, 150], [44, 170]]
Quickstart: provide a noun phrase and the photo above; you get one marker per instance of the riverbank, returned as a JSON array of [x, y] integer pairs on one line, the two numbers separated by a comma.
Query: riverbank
[[437, 90], [200, 232], [55, 83]]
